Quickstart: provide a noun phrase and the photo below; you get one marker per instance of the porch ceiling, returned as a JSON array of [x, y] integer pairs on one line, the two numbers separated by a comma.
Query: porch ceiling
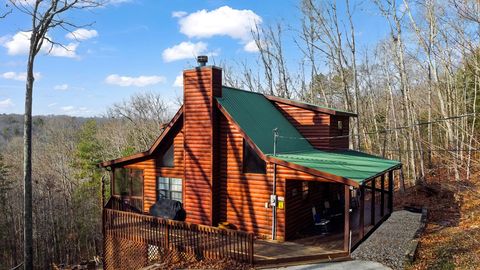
[[349, 164]]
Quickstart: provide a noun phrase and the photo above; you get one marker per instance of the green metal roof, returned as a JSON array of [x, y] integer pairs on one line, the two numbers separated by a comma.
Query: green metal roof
[[353, 165], [257, 117]]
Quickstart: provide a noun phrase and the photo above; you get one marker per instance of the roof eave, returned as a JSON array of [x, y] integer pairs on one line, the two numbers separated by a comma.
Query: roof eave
[[309, 106], [396, 167], [315, 172], [123, 159]]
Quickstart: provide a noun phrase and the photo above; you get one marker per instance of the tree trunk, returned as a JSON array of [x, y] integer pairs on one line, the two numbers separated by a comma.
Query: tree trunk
[[27, 170]]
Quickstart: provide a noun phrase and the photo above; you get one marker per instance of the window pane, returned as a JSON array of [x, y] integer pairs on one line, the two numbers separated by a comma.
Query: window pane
[[137, 182], [175, 184], [167, 158], [163, 183], [176, 181], [121, 183], [177, 196], [252, 163]]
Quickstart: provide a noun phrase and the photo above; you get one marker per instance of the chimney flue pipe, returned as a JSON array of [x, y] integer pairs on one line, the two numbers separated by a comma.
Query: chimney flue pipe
[[202, 60]]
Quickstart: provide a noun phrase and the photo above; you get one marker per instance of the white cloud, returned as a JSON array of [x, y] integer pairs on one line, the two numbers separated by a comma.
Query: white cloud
[[61, 87], [223, 21], [178, 81], [179, 14], [76, 111], [117, 2], [184, 50], [139, 81], [19, 76], [251, 46], [52, 104], [6, 103], [19, 44], [59, 51], [82, 34], [67, 108], [25, 2]]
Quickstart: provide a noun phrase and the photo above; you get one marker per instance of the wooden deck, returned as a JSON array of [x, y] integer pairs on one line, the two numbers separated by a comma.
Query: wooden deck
[[316, 247]]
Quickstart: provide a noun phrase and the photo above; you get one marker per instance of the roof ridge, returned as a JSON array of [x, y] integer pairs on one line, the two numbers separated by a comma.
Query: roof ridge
[[280, 99], [238, 89]]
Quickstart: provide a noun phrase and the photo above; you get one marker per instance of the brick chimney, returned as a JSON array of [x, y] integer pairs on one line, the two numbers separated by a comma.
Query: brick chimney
[[200, 87]]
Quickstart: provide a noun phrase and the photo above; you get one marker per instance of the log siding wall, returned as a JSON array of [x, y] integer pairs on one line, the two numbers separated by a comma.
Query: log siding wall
[[315, 125], [243, 195]]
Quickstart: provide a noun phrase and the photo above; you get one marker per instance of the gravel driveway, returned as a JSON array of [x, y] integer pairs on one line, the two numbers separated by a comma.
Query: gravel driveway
[[347, 265], [389, 243]]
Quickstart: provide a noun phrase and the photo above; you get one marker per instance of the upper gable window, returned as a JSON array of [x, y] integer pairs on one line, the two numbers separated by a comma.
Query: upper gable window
[[252, 163], [340, 125], [167, 158]]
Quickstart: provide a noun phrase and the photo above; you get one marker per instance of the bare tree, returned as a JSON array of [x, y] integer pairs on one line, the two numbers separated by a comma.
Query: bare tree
[[143, 117], [45, 16]]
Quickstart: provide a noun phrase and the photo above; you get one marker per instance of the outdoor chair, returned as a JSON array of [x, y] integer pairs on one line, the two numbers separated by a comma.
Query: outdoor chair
[[320, 222]]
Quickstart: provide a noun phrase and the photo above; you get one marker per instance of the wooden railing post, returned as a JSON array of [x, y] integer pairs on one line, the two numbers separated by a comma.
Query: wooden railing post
[[104, 253], [250, 249], [167, 239]]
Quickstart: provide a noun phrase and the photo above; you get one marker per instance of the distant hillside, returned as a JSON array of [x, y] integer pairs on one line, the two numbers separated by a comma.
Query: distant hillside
[[11, 125]]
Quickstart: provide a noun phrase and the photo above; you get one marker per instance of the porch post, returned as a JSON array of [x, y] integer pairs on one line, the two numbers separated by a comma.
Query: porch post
[[390, 192], [372, 210], [346, 229], [362, 211], [382, 195]]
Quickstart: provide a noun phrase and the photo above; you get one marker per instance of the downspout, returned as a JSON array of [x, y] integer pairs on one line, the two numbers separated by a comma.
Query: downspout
[[273, 197]]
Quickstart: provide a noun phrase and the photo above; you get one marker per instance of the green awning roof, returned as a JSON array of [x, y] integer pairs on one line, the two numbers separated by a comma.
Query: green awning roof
[[350, 164], [257, 117]]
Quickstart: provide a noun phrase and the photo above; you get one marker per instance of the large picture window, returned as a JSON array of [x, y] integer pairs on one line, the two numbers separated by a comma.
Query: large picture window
[[170, 188], [128, 182], [252, 163]]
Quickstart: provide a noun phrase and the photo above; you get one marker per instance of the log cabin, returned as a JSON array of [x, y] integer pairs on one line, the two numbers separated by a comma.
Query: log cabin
[[258, 163]]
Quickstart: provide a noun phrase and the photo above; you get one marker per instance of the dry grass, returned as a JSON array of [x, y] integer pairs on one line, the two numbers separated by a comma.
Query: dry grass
[[452, 236]]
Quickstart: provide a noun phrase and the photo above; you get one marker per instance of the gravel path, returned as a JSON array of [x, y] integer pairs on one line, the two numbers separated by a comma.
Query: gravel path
[[389, 243]]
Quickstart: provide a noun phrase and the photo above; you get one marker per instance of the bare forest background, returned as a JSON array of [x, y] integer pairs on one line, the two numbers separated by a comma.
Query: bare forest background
[[416, 93]]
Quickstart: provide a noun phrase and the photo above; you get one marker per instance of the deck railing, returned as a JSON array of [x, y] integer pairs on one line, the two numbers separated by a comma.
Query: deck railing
[[132, 241]]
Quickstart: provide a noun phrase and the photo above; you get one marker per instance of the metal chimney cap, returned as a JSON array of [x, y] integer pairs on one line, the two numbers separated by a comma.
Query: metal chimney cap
[[202, 60]]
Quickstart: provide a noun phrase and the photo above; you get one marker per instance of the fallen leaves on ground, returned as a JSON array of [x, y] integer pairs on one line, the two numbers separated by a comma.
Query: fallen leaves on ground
[[452, 236]]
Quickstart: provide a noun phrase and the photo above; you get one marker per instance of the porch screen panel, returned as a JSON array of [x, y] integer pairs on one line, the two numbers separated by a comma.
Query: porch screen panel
[[137, 183], [121, 183]]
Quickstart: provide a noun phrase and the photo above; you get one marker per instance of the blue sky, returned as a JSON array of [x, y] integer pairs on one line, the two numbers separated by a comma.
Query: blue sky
[[141, 45]]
